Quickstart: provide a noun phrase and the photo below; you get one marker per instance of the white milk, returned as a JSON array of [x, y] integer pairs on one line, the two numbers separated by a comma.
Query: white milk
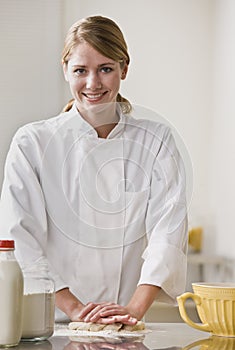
[[38, 315], [11, 294]]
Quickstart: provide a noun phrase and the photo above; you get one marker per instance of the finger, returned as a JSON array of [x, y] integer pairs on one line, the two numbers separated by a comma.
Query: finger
[[87, 308], [130, 321], [111, 311], [109, 346], [113, 319], [95, 312], [125, 319], [86, 346], [110, 314], [93, 346]]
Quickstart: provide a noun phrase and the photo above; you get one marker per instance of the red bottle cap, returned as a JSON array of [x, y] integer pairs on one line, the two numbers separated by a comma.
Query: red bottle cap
[[7, 244]]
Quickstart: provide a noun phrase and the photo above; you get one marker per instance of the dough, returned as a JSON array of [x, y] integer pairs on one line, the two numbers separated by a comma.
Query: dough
[[113, 327], [95, 339], [96, 327], [139, 326], [81, 326]]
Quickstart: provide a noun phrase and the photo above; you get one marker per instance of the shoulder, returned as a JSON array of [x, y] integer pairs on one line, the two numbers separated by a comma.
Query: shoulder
[[154, 135], [49, 124], [149, 128], [40, 130]]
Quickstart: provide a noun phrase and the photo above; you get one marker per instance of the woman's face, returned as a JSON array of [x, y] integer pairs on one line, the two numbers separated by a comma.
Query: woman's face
[[93, 78]]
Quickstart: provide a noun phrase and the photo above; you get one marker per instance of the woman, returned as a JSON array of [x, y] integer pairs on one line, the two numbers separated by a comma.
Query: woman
[[97, 194]]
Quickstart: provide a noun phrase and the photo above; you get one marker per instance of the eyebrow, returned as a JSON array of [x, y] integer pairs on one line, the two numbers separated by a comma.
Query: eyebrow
[[100, 65]]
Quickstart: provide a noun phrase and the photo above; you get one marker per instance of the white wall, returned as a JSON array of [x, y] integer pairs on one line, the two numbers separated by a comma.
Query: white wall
[[222, 165], [30, 74], [181, 54]]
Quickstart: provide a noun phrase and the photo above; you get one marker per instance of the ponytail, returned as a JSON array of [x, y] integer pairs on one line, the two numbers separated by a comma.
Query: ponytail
[[68, 106], [124, 104]]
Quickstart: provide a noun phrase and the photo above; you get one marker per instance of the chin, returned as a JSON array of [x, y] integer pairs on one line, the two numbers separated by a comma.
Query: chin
[[99, 107]]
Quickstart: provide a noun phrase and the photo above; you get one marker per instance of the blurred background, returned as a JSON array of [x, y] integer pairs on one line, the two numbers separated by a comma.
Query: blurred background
[[182, 67]]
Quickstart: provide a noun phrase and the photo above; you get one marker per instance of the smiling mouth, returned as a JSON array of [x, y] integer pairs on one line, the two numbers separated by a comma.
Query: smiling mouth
[[94, 96]]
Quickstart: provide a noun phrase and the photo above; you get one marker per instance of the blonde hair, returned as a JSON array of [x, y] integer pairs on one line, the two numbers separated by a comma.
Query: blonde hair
[[104, 36]]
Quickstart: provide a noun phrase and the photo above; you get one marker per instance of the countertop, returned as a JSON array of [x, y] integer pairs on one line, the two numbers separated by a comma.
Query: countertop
[[171, 336]]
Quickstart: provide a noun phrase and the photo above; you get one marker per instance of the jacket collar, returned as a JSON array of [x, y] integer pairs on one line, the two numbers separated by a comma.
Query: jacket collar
[[86, 129]]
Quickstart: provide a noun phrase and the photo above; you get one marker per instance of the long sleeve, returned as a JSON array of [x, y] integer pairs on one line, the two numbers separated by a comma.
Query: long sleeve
[[23, 215], [165, 259]]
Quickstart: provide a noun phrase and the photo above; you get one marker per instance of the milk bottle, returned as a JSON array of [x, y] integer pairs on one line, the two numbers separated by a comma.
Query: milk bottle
[[11, 295]]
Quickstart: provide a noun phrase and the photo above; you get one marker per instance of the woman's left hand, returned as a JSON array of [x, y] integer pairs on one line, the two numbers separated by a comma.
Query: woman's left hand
[[106, 313], [76, 345]]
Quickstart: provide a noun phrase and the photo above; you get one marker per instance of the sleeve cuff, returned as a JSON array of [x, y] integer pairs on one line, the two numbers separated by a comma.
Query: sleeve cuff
[[165, 266]]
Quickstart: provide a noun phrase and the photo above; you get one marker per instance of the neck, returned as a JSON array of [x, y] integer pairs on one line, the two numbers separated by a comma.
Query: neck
[[103, 118], [104, 130]]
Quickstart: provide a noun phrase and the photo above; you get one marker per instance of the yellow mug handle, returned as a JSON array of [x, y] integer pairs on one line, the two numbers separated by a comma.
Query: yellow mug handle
[[181, 302], [206, 342]]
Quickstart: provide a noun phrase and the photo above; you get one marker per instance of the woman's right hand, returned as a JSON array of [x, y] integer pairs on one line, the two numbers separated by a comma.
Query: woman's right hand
[[106, 313]]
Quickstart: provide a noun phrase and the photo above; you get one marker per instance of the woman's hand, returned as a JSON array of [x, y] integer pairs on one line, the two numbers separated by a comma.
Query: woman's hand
[[106, 313], [105, 345]]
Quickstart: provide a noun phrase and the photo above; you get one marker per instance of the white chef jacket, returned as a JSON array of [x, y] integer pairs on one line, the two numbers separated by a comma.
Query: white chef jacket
[[105, 214]]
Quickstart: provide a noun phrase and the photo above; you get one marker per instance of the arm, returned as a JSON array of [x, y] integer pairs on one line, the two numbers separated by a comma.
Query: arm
[[140, 302], [91, 312], [142, 299], [23, 214], [68, 303], [165, 257], [136, 308]]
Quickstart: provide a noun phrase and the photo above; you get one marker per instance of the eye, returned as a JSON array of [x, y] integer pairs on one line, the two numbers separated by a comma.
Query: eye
[[106, 69], [79, 71]]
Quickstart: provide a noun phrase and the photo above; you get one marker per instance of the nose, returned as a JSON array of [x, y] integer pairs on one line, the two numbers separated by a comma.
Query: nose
[[93, 82]]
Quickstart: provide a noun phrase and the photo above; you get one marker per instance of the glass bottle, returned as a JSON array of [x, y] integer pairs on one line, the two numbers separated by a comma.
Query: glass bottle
[[38, 303], [40, 345], [11, 295]]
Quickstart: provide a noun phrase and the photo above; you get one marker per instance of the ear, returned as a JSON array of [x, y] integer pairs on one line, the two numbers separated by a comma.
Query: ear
[[124, 72], [65, 70]]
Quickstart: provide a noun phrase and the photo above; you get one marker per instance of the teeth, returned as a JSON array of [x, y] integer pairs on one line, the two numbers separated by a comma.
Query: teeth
[[94, 96]]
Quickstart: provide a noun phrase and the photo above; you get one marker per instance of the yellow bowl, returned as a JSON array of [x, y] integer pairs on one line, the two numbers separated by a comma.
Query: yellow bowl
[[215, 304]]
